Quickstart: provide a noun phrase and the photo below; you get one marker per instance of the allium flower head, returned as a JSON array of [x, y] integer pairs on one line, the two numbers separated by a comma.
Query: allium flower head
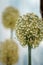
[[9, 52], [29, 29], [10, 16]]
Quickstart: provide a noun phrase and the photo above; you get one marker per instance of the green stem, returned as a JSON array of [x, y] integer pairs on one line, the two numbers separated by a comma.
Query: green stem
[[11, 33], [29, 55]]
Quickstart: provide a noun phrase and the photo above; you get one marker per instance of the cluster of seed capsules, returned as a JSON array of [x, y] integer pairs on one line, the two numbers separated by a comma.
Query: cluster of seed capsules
[[9, 52], [9, 17], [29, 29]]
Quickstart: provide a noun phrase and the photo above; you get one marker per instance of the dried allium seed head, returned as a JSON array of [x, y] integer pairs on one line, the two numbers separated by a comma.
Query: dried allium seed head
[[9, 52], [29, 29], [10, 16]]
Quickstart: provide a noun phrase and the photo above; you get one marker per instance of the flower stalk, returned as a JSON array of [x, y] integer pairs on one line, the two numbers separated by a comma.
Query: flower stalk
[[29, 55], [11, 33]]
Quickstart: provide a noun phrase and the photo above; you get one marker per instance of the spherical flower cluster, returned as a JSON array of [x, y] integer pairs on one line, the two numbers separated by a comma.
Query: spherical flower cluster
[[29, 29], [9, 52], [9, 17]]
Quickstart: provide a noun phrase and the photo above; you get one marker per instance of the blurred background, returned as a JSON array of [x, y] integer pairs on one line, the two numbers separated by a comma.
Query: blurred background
[[23, 6]]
